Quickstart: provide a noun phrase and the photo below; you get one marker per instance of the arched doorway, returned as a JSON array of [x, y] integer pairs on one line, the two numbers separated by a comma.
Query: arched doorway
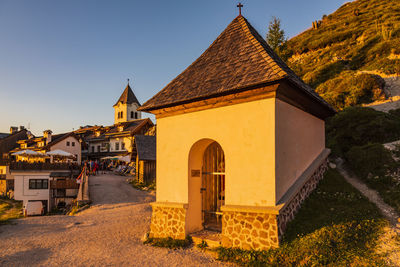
[[213, 186]]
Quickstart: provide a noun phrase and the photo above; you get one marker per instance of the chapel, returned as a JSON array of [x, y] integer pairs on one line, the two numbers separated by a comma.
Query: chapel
[[240, 143]]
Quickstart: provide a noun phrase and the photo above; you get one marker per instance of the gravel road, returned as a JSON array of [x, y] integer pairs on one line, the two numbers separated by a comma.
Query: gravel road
[[107, 234]]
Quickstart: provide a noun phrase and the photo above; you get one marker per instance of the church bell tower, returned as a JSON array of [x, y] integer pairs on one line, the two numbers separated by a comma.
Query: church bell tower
[[126, 107]]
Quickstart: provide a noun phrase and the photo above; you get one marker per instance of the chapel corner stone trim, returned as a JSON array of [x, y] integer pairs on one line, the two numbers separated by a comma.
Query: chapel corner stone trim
[[168, 220]]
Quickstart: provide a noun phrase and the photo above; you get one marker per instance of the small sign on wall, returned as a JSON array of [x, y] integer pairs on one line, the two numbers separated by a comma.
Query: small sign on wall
[[195, 173]]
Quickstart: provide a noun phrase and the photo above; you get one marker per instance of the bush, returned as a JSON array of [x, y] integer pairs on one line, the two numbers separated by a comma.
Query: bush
[[358, 126], [370, 161], [350, 89]]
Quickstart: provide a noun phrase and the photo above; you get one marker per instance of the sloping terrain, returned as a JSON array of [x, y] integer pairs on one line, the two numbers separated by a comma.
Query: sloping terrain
[[362, 35]]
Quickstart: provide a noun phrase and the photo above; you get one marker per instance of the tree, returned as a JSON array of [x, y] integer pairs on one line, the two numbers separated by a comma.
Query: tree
[[275, 36]]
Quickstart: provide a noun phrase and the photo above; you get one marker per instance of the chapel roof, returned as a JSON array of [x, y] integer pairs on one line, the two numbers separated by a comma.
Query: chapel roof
[[239, 59], [128, 97]]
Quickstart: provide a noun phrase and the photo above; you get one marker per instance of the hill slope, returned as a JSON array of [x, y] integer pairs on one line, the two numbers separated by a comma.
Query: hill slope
[[339, 54]]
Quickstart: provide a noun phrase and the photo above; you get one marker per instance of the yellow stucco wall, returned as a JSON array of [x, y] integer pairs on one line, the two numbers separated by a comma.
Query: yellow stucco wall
[[246, 133], [300, 138]]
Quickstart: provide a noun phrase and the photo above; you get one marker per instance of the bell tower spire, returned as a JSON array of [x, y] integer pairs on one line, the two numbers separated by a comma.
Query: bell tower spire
[[126, 107]]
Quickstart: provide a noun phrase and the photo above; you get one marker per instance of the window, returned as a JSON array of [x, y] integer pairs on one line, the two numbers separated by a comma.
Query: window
[[116, 146], [38, 184], [73, 143], [122, 114], [136, 115], [122, 145], [92, 149], [132, 115], [67, 143], [98, 148]]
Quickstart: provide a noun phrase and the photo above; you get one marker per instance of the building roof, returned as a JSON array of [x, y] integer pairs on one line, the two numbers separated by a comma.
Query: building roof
[[55, 138], [2, 135], [145, 147], [128, 97], [128, 127], [238, 60], [10, 142], [59, 137]]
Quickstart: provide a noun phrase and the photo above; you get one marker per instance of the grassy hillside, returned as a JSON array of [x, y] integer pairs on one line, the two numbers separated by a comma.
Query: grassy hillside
[[363, 35]]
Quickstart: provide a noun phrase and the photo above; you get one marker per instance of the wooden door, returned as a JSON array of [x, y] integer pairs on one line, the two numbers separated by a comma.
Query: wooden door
[[213, 186]]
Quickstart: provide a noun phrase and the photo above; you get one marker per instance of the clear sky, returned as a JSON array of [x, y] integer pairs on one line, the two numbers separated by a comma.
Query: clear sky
[[64, 64]]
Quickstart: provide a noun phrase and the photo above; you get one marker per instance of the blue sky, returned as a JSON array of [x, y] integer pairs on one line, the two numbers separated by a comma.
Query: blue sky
[[65, 63]]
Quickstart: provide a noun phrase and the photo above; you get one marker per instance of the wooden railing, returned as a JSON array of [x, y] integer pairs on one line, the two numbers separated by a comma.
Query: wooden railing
[[64, 184], [83, 193]]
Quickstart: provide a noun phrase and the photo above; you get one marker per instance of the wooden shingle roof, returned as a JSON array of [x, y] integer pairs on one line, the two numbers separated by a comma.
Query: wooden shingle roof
[[146, 147], [128, 97], [238, 59]]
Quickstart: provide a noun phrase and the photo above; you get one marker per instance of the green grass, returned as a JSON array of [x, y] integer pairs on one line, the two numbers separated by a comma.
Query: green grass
[[169, 242], [9, 210], [143, 186], [336, 226]]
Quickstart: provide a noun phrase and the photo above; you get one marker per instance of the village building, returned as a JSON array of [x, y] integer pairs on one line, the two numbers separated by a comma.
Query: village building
[[240, 143], [117, 140], [43, 177], [68, 142], [8, 142], [52, 183]]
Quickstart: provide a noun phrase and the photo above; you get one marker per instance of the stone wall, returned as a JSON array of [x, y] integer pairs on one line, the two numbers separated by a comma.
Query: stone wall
[[249, 230], [287, 213], [168, 220]]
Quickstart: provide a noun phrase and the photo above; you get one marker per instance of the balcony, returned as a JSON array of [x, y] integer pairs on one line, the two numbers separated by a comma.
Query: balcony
[[38, 166], [64, 184]]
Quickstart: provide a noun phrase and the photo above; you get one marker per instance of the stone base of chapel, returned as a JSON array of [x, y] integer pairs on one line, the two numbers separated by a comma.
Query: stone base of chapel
[[245, 227], [168, 220]]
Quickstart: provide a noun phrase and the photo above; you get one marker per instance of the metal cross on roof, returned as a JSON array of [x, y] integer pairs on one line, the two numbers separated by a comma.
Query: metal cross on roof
[[128, 81], [240, 8]]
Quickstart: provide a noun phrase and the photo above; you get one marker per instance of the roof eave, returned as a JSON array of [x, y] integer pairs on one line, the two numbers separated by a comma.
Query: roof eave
[[228, 92]]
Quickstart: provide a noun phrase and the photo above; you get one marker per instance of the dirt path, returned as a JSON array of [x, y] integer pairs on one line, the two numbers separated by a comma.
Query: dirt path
[[371, 194], [388, 243], [107, 234]]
